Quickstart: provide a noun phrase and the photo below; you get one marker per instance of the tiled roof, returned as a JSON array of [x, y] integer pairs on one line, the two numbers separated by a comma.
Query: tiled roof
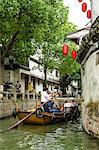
[[88, 40]]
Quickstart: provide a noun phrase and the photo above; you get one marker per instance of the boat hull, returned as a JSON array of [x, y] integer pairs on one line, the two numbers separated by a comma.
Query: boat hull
[[47, 118]]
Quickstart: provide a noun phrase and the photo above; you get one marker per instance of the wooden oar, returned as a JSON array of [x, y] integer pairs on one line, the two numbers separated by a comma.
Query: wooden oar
[[17, 123], [54, 100], [20, 121]]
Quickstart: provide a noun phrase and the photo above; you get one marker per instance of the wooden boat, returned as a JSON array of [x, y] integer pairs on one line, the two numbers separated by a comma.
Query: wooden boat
[[47, 118], [40, 116]]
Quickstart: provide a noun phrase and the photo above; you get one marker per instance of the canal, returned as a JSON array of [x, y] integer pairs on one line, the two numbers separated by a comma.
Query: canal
[[63, 136]]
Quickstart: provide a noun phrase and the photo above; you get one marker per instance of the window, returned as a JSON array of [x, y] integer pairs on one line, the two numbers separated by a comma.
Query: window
[[56, 73], [38, 82], [97, 58]]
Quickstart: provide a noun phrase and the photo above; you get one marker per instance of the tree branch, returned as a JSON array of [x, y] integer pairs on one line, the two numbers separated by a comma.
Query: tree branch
[[10, 44]]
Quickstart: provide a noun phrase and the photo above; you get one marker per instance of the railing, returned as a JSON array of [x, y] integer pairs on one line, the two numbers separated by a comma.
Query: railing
[[4, 95]]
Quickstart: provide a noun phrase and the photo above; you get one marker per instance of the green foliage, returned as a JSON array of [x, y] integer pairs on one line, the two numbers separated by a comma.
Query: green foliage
[[68, 65], [58, 27], [27, 20], [68, 78], [28, 24]]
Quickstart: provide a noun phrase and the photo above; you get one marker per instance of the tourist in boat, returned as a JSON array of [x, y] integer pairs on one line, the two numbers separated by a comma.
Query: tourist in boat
[[74, 105], [67, 106], [53, 107], [75, 110]]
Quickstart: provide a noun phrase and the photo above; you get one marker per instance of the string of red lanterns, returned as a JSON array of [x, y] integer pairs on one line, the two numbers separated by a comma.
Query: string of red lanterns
[[74, 54], [84, 9], [80, 0], [65, 51], [65, 46], [89, 14]]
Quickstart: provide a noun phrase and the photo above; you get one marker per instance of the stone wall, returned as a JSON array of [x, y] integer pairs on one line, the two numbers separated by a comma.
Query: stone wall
[[90, 79], [90, 118], [90, 93], [7, 106]]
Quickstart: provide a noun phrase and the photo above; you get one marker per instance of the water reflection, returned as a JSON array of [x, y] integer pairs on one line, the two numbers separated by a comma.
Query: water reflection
[[50, 137]]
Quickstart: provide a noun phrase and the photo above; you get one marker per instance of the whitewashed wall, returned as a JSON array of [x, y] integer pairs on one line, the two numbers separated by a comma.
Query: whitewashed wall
[[95, 9], [90, 80], [22, 83], [52, 76], [51, 87], [34, 71], [39, 73], [75, 84], [69, 90], [38, 87]]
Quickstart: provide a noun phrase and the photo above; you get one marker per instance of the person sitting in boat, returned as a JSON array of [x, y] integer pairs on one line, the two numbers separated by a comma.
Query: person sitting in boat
[[75, 110], [53, 108], [74, 104], [67, 107]]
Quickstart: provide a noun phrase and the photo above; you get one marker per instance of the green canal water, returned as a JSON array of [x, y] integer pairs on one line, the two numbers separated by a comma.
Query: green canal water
[[63, 136]]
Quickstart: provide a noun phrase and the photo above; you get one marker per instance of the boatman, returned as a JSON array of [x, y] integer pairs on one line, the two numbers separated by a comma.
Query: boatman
[[45, 97]]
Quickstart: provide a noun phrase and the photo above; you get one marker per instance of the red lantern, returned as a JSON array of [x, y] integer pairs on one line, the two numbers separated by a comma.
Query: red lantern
[[74, 54], [84, 7], [65, 49], [89, 14], [80, 0]]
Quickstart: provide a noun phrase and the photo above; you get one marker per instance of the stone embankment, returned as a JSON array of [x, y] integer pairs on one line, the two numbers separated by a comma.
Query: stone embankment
[[9, 101], [8, 105], [90, 117]]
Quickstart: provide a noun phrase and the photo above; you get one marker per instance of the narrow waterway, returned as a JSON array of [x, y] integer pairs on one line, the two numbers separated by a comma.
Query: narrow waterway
[[63, 136]]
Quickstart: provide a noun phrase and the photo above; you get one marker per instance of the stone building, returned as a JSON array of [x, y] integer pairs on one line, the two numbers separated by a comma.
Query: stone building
[[88, 57], [34, 73]]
